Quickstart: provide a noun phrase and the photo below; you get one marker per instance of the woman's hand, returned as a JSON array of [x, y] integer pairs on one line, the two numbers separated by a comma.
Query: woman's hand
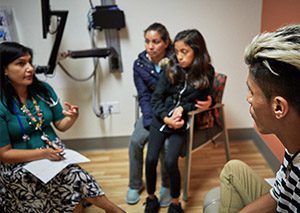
[[71, 114], [204, 104], [177, 114], [71, 111], [53, 154], [175, 121], [10, 155]]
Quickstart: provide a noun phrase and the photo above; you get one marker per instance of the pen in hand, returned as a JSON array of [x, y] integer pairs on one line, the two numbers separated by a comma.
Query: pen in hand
[[53, 146]]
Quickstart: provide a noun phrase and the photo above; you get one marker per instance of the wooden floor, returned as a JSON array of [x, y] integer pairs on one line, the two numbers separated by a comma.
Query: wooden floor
[[110, 168]]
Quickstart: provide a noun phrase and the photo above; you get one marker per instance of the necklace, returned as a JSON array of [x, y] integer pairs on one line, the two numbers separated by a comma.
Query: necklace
[[37, 122]]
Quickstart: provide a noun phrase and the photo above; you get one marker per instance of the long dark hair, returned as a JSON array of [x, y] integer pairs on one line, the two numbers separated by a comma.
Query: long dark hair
[[10, 51], [201, 65]]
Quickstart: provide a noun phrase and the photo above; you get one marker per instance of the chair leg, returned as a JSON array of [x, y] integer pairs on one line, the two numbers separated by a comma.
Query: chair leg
[[227, 146], [187, 171], [187, 163]]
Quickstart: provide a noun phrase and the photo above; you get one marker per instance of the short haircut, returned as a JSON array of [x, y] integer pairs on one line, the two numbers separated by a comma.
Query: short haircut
[[274, 62]]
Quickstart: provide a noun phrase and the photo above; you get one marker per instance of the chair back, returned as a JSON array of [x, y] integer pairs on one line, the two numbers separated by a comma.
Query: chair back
[[218, 91], [218, 87], [208, 119]]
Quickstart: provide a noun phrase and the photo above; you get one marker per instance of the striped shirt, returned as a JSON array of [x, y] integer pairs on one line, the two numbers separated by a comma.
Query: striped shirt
[[286, 189]]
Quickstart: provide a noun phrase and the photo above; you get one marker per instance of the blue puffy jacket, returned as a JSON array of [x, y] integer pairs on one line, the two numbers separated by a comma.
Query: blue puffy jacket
[[145, 80]]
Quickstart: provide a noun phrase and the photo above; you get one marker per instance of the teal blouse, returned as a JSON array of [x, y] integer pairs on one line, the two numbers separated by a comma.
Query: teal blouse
[[10, 128]]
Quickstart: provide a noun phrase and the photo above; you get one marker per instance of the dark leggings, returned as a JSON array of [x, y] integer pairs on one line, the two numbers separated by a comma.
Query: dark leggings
[[156, 142]]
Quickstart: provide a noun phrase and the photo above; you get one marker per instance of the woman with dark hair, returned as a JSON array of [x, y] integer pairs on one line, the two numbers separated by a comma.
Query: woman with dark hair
[[188, 77], [146, 74], [28, 107]]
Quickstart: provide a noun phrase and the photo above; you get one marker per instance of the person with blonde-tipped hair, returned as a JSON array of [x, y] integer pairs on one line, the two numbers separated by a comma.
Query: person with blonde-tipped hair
[[274, 98]]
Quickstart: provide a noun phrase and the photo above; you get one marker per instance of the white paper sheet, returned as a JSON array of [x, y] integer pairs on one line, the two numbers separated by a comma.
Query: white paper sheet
[[45, 169]]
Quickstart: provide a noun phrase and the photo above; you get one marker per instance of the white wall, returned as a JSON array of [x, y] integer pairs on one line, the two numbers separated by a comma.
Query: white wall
[[227, 25]]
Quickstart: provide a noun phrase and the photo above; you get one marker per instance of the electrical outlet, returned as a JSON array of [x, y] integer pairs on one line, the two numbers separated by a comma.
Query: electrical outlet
[[104, 110], [111, 107], [114, 107]]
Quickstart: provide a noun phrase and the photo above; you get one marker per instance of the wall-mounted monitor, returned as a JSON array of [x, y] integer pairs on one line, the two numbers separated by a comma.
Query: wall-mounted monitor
[[46, 17], [61, 15]]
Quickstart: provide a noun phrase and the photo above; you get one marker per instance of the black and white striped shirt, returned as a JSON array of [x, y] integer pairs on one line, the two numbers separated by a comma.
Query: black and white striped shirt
[[286, 189]]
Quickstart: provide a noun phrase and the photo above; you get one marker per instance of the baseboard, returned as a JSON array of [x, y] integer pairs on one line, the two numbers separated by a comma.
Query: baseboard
[[98, 143], [250, 133], [123, 141], [272, 160]]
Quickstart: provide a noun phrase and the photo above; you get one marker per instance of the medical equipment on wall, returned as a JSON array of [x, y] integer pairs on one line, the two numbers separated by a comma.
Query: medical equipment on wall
[[107, 18]]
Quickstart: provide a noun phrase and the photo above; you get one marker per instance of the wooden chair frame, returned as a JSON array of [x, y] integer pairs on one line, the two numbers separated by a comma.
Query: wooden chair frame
[[190, 150]]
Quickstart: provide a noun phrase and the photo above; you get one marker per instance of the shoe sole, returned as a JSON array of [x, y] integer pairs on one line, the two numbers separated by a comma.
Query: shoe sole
[[132, 202], [164, 205]]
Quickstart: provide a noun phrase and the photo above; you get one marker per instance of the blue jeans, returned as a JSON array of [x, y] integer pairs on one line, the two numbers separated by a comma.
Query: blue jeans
[[138, 140]]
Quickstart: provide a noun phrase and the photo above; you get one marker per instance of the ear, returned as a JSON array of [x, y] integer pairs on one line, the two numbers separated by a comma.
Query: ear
[[280, 107]]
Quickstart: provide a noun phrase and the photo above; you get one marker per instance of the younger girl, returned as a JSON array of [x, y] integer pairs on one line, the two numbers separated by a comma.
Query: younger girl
[[188, 77]]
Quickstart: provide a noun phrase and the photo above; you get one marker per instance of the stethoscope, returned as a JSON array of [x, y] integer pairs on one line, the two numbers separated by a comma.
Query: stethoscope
[[51, 103]]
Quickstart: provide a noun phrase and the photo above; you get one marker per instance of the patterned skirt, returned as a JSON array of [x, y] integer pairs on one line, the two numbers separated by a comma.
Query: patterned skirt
[[20, 191]]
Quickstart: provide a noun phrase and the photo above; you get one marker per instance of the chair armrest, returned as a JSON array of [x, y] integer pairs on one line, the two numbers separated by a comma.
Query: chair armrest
[[197, 111]]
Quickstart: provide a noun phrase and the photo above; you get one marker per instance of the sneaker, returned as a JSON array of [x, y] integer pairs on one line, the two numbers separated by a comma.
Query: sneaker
[[173, 208], [152, 205], [165, 197], [133, 196]]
